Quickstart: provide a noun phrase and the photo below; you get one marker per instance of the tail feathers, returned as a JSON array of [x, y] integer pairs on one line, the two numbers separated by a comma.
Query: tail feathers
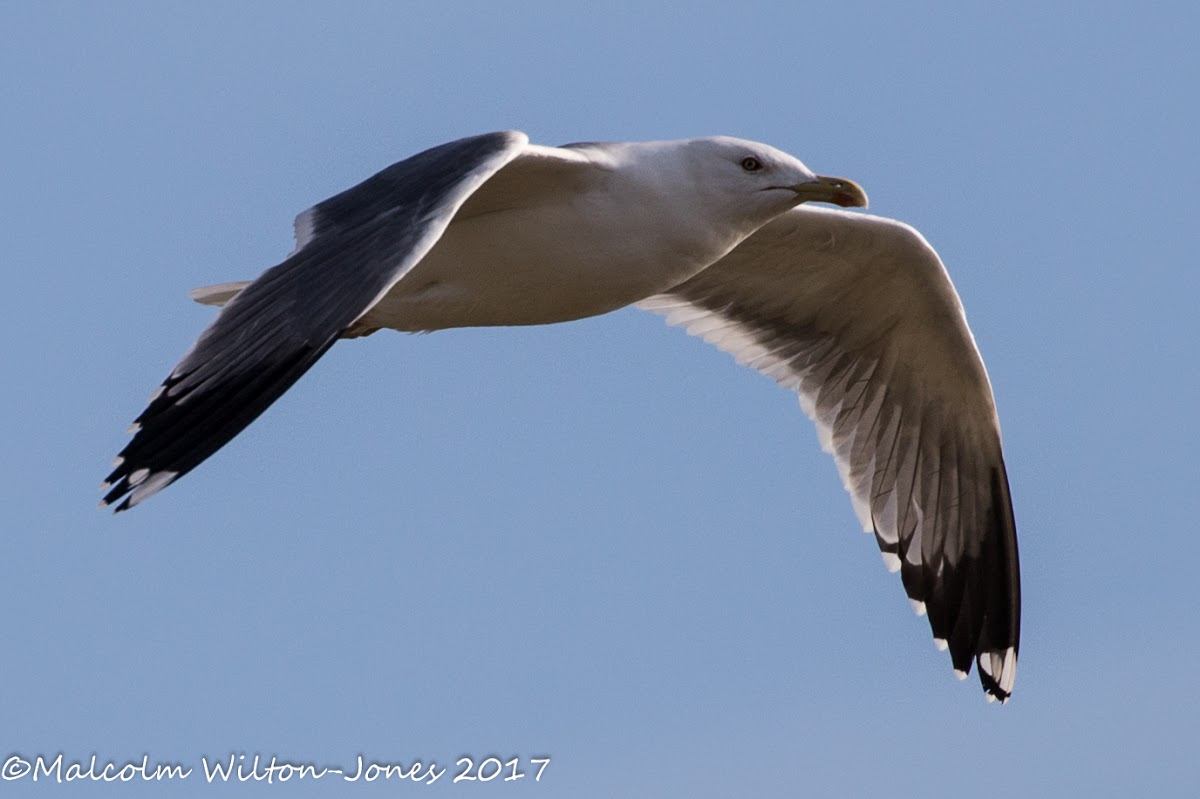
[[219, 294]]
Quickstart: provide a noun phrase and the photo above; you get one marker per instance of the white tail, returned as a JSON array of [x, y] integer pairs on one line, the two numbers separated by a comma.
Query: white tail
[[219, 294]]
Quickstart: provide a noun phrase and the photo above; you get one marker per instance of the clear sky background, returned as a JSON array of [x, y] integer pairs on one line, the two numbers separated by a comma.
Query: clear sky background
[[603, 542]]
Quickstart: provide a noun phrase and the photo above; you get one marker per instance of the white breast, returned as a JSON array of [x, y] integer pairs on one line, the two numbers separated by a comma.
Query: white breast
[[547, 255]]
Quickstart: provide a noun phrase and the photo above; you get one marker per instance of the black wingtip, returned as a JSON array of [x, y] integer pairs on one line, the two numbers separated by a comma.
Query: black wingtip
[[360, 243], [997, 672], [973, 606]]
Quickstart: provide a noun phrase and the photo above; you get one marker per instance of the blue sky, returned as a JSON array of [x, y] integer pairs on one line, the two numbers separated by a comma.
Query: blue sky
[[603, 542]]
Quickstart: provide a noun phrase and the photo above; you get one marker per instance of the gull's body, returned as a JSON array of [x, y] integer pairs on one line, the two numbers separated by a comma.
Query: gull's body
[[557, 263], [854, 312]]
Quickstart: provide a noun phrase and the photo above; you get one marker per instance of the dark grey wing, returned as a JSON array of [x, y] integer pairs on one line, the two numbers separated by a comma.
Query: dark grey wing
[[858, 315], [350, 250]]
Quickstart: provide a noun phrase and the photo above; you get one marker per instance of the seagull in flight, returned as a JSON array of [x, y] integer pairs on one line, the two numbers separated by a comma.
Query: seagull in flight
[[855, 313]]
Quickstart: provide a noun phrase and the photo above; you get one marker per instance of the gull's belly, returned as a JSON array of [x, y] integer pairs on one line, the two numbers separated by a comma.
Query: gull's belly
[[537, 266]]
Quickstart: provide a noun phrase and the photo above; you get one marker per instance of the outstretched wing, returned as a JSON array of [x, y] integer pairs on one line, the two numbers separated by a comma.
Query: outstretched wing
[[858, 315], [350, 250]]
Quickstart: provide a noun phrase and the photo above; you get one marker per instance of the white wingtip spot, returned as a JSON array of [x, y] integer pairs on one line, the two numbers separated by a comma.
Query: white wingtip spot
[[138, 476], [892, 561], [991, 698], [104, 487], [1009, 675], [941, 644], [133, 428], [117, 462], [157, 393], [152, 486], [918, 606], [962, 675], [1001, 666], [102, 504]]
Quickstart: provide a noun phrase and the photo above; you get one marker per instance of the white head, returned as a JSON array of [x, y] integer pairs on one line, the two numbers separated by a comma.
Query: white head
[[762, 176], [737, 178], [715, 191], [706, 195]]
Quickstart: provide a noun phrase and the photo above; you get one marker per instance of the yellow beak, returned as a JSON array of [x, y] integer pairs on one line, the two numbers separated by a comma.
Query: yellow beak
[[838, 191]]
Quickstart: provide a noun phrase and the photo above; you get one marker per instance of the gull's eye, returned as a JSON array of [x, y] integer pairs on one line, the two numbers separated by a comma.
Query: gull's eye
[[751, 164]]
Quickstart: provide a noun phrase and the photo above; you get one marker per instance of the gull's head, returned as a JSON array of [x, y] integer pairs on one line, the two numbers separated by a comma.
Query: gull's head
[[762, 179], [702, 197]]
